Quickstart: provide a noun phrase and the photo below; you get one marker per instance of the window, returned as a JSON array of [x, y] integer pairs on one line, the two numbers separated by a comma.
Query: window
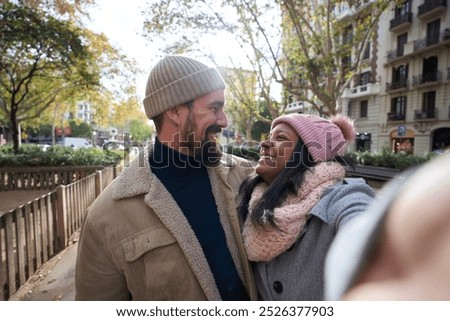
[[346, 62], [347, 37], [433, 30], [429, 103], [399, 77], [398, 108], [365, 78], [430, 69], [366, 54], [349, 109], [363, 141], [403, 9], [363, 107], [403, 145], [401, 42]]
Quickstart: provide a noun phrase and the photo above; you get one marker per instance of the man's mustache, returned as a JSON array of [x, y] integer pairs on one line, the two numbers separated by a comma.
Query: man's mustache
[[213, 129]]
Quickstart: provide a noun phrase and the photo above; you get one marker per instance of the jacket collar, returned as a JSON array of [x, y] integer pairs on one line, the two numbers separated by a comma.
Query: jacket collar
[[137, 178]]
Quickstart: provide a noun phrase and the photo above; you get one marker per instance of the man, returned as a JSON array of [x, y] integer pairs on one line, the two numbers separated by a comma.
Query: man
[[167, 228]]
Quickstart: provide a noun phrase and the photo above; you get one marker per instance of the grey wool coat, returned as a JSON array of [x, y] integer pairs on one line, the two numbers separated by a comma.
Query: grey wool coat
[[298, 273], [135, 242]]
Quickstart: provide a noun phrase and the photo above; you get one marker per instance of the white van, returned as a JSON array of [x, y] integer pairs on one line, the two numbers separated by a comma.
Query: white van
[[76, 142]]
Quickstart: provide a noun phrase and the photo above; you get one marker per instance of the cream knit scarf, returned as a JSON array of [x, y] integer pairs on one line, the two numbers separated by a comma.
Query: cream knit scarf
[[265, 243]]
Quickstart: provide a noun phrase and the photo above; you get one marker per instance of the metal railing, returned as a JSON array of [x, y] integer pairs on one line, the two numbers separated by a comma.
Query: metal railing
[[424, 78], [430, 5], [432, 40], [400, 19], [397, 84]]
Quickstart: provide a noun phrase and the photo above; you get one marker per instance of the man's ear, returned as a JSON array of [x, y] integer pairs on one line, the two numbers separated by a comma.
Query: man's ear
[[174, 115]]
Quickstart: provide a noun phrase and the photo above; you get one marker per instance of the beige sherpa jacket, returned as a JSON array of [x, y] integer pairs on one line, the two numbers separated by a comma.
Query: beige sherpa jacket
[[135, 242]]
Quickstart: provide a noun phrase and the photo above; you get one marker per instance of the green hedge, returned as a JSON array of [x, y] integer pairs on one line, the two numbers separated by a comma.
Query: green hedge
[[32, 156], [386, 158]]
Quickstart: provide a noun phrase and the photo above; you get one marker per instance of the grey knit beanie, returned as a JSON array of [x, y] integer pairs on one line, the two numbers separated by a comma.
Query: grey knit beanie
[[176, 80]]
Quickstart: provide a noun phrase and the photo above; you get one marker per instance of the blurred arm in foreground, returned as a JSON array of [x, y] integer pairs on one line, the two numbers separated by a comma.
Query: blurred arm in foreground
[[400, 249]]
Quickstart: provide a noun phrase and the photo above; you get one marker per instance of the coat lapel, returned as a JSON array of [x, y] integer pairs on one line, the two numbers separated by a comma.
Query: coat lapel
[[165, 207]]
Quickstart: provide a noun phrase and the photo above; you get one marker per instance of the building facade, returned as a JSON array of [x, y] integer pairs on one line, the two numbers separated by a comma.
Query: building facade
[[403, 101]]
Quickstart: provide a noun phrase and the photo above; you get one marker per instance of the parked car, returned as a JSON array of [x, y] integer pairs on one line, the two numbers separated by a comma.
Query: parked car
[[76, 142], [44, 147], [110, 145]]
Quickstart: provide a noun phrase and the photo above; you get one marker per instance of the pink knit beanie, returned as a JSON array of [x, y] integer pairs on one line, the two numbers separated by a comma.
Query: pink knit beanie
[[324, 138]]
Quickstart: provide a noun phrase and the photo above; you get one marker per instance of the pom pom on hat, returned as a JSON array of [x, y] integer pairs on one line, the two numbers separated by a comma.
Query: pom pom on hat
[[175, 80], [346, 125], [324, 138]]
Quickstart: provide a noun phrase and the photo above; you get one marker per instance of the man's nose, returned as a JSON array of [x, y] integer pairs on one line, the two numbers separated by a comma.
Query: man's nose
[[222, 120]]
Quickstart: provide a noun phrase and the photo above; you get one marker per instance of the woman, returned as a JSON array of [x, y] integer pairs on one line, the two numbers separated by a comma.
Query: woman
[[296, 202]]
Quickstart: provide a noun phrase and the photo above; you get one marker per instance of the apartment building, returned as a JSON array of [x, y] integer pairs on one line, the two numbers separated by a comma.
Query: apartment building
[[401, 100], [84, 112]]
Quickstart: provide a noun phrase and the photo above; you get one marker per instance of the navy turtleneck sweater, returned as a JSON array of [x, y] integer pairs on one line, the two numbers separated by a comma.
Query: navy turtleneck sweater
[[188, 182]]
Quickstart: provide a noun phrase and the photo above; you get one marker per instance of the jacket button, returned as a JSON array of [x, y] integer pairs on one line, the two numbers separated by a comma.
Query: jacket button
[[278, 286]]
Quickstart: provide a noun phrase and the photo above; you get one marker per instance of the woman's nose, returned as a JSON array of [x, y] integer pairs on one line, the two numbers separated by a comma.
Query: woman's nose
[[266, 144]]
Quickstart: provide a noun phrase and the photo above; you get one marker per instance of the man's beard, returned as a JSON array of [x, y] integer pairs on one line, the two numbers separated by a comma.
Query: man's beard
[[205, 151]]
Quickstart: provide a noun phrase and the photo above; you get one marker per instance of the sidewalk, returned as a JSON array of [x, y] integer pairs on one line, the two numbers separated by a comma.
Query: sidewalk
[[54, 281]]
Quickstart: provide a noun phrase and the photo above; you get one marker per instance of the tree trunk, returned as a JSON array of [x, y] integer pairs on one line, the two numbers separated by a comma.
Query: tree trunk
[[15, 130]]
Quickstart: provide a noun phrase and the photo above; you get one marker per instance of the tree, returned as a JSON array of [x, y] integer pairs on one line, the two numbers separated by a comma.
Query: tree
[[241, 98], [40, 58], [125, 110], [324, 46], [139, 129], [69, 9], [80, 129], [302, 44], [185, 23]]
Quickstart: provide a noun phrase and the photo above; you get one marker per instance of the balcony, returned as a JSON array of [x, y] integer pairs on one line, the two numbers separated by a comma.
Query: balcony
[[361, 91], [394, 54], [392, 116], [429, 114], [427, 78], [431, 8], [397, 84], [432, 40], [295, 107], [400, 22]]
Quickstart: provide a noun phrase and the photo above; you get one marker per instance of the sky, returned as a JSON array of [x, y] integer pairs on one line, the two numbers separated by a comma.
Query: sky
[[121, 21]]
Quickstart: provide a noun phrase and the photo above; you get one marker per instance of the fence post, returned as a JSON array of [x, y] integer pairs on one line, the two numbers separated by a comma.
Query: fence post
[[98, 183], [61, 217]]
